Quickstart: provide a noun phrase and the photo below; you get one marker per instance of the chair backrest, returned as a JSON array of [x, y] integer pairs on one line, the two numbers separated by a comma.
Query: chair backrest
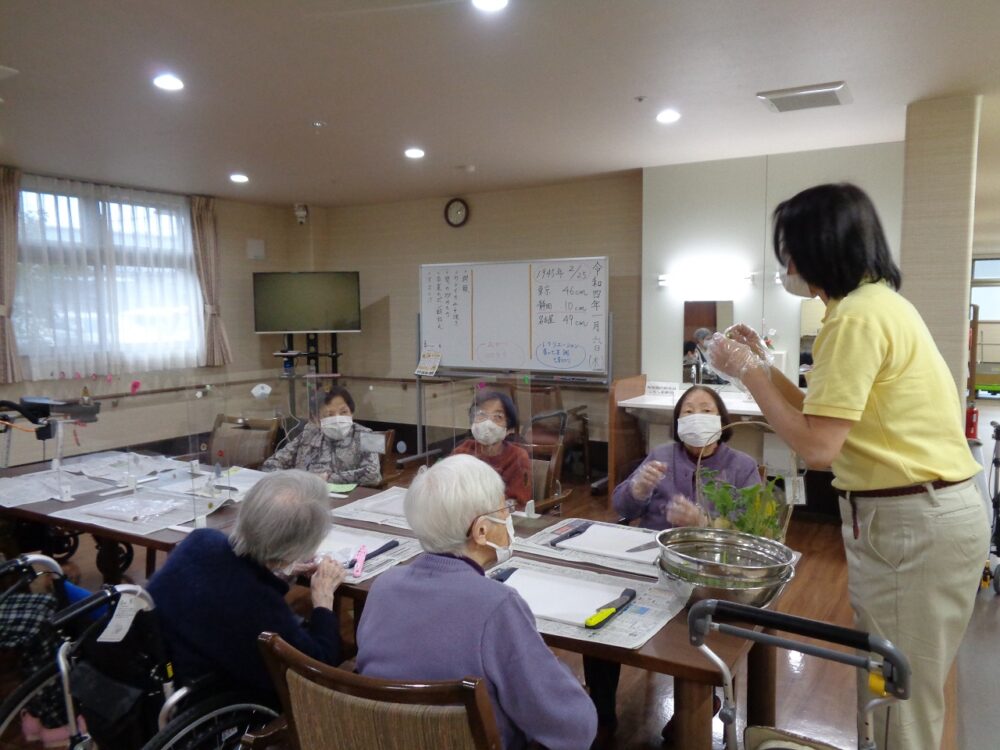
[[626, 443], [329, 707], [546, 469], [387, 460], [242, 441]]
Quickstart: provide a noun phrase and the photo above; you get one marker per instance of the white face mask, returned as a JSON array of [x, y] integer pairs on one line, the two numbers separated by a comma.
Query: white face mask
[[488, 432], [794, 283], [504, 552], [336, 428], [699, 430]]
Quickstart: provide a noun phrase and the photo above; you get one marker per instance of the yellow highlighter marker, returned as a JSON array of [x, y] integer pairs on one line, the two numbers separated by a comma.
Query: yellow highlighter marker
[[609, 610]]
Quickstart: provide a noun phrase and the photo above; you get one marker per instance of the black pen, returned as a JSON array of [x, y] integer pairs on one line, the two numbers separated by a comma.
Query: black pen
[[570, 534], [391, 544]]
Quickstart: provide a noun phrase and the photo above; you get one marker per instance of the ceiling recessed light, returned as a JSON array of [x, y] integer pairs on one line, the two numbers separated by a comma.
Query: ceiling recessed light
[[668, 116], [414, 153], [319, 123], [239, 177], [168, 82], [489, 6]]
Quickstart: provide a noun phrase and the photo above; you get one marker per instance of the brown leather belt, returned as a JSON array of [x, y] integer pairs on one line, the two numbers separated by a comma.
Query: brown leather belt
[[913, 489]]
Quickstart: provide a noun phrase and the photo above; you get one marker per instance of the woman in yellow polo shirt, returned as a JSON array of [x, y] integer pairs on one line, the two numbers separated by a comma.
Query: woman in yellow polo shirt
[[883, 412]]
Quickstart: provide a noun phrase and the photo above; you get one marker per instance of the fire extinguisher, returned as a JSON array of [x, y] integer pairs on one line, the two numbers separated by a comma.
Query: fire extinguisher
[[972, 422]]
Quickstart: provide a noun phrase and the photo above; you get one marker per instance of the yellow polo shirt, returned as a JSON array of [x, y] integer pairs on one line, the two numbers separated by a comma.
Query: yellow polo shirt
[[875, 363]]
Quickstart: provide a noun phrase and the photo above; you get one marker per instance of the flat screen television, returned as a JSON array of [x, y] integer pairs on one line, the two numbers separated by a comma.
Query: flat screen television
[[307, 302]]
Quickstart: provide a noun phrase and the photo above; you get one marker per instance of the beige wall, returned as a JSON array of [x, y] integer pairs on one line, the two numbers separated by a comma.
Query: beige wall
[[386, 243]]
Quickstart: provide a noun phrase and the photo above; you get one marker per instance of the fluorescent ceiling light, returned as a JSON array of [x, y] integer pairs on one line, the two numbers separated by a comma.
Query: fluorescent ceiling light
[[168, 82], [668, 116], [489, 6], [414, 153], [239, 177]]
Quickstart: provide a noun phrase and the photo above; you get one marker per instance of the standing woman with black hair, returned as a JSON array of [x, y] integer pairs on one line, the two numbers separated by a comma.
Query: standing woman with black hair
[[883, 412]]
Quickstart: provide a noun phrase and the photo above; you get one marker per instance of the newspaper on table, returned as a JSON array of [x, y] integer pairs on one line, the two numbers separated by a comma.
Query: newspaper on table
[[53, 484], [385, 508], [569, 588], [229, 484], [343, 542], [602, 544], [118, 467], [143, 512]]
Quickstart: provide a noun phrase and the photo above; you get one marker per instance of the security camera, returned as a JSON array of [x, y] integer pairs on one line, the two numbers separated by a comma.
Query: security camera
[[301, 213]]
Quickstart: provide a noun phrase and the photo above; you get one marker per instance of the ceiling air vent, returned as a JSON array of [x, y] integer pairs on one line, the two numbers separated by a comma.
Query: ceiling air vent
[[806, 97]]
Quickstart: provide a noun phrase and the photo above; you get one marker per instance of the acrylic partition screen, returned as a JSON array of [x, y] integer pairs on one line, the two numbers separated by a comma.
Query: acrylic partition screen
[[543, 316]]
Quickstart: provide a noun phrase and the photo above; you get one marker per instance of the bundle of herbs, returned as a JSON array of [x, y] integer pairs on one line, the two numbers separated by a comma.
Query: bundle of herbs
[[755, 510]]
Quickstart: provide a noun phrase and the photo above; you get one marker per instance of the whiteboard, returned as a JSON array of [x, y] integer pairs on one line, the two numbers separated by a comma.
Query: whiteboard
[[539, 315]]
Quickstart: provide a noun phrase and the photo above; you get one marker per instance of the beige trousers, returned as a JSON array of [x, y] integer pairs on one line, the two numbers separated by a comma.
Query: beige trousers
[[913, 573]]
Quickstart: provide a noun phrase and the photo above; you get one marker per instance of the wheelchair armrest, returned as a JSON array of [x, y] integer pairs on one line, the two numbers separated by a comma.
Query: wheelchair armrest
[[272, 735]]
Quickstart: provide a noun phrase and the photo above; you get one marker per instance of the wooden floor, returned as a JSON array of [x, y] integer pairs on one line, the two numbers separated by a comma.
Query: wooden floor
[[815, 697]]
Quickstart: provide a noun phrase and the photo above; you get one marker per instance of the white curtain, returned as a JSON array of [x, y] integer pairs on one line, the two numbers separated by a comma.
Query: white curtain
[[106, 281], [10, 363]]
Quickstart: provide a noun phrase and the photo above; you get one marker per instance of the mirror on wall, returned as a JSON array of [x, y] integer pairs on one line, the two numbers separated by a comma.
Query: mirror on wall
[[701, 319], [810, 319]]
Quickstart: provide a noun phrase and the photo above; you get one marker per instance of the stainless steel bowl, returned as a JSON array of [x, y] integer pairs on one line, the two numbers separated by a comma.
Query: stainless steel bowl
[[760, 595], [710, 556]]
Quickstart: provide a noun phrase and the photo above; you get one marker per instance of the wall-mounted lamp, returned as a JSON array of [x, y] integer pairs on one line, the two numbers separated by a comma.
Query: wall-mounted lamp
[[727, 280]]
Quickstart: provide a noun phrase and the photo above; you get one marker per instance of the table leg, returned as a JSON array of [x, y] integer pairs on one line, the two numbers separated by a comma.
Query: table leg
[[150, 562], [762, 670], [692, 715]]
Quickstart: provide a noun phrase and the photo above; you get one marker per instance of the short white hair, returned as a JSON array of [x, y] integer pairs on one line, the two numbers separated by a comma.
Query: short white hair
[[443, 501], [282, 519]]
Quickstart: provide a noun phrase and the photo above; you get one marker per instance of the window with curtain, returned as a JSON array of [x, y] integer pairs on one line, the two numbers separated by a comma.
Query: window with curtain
[[106, 281]]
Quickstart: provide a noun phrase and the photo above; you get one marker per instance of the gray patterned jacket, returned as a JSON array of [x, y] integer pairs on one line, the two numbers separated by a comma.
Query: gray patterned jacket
[[338, 461]]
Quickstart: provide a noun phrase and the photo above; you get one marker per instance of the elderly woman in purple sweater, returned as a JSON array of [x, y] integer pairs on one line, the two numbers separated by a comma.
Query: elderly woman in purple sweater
[[660, 492], [441, 618]]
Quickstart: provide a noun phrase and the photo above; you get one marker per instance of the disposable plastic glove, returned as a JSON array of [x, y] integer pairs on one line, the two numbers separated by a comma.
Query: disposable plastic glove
[[744, 334], [733, 359]]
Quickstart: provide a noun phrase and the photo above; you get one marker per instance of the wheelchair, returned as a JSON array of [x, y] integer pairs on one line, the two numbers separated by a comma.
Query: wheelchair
[[111, 669]]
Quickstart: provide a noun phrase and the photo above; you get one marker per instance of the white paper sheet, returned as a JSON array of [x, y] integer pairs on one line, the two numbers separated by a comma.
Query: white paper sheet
[[232, 484], [538, 544], [184, 509], [614, 541], [652, 608], [343, 538], [557, 597], [117, 467], [44, 485], [385, 508]]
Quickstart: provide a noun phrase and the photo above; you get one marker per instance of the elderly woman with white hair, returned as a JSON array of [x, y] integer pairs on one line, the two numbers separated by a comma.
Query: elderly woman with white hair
[[215, 594], [441, 618]]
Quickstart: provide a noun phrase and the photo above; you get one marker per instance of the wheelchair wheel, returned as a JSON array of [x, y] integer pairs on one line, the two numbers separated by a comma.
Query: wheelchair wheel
[[996, 580], [10, 709], [216, 723]]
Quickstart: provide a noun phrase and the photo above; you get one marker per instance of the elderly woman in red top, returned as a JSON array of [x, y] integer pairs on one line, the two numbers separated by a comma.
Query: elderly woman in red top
[[494, 422]]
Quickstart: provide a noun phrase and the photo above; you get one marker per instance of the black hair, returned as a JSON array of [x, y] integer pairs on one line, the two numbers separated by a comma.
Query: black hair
[[727, 432], [690, 347], [338, 390], [834, 236], [509, 410]]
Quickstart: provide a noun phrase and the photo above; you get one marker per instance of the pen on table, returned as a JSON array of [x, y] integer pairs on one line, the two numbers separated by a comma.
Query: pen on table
[[359, 561], [579, 529], [609, 610], [391, 544]]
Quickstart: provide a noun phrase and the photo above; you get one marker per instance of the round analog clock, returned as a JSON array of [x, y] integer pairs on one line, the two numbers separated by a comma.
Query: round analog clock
[[456, 212]]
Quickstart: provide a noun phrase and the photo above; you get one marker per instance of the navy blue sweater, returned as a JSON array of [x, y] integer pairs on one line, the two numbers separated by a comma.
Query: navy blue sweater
[[212, 605]]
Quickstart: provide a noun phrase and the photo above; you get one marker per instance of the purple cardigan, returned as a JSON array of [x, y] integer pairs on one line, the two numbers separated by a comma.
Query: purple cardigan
[[734, 467], [440, 618]]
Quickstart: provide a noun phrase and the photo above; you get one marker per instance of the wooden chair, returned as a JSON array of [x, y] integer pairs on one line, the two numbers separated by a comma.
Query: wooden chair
[[329, 707], [543, 401], [390, 472], [626, 442], [546, 475], [242, 441]]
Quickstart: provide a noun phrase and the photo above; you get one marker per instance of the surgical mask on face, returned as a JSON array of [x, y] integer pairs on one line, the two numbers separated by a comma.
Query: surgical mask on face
[[794, 283], [699, 430], [336, 428], [488, 432], [504, 552]]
